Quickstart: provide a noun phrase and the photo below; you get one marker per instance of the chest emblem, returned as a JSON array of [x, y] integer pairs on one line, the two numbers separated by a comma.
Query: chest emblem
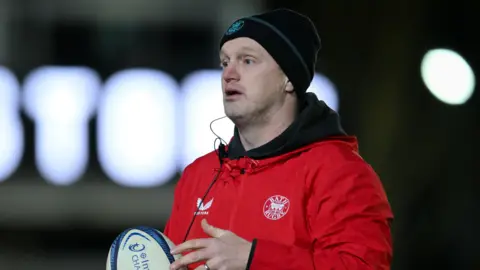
[[203, 207], [276, 207]]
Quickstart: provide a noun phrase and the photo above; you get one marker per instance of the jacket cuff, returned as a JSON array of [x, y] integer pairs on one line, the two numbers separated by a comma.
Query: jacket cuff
[[252, 251]]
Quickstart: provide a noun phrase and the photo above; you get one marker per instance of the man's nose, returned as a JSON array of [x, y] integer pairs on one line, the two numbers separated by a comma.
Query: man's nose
[[230, 73]]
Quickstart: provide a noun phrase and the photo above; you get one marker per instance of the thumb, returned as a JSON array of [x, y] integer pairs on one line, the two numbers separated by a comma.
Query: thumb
[[212, 231]]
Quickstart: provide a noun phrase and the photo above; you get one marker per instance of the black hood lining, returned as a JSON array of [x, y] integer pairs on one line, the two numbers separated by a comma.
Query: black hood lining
[[315, 122]]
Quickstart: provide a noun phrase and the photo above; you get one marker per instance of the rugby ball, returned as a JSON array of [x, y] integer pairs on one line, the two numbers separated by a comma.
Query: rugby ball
[[141, 248]]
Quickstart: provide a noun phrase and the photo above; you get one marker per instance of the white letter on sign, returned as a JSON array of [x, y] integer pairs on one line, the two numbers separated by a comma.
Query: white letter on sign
[[136, 128], [61, 100], [11, 131]]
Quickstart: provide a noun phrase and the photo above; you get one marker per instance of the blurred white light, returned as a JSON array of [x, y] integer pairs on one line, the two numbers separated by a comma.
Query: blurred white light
[[144, 130], [203, 103], [136, 128], [448, 76], [61, 101], [11, 131], [325, 90]]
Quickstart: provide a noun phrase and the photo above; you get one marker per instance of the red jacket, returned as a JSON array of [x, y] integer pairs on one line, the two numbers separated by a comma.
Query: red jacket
[[320, 206]]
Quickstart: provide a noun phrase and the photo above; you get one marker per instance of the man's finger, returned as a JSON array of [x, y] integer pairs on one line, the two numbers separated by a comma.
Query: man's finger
[[212, 231], [192, 257], [191, 245], [213, 263]]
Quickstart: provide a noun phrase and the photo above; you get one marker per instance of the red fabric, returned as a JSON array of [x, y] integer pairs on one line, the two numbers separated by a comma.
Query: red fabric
[[337, 215]]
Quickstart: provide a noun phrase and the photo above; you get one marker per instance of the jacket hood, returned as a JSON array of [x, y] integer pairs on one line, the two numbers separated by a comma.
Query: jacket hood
[[315, 122]]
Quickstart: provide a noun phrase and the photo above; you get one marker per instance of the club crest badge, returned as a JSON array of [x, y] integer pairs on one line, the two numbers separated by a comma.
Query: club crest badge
[[276, 207], [235, 27]]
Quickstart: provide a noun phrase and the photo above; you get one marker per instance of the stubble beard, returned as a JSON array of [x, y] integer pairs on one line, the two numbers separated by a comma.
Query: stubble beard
[[234, 113], [243, 116]]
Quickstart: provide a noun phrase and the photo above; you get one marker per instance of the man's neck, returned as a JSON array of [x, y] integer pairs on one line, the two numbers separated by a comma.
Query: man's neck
[[256, 135]]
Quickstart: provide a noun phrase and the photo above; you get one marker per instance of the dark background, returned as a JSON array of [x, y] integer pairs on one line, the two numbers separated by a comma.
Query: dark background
[[425, 151]]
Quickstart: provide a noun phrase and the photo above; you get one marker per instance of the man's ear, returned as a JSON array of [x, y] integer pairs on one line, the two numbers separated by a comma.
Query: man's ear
[[289, 87]]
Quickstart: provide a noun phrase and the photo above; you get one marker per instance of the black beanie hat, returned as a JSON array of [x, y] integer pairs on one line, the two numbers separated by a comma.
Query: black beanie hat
[[289, 37]]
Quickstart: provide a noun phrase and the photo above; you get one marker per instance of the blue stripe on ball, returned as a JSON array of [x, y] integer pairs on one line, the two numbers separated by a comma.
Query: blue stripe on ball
[[160, 240], [115, 248], [134, 234]]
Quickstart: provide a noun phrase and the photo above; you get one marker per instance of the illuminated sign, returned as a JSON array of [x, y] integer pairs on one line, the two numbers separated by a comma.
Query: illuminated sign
[[11, 131], [149, 126]]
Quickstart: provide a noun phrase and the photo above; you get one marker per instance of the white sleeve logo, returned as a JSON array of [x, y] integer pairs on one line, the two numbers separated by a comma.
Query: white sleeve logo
[[204, 207]]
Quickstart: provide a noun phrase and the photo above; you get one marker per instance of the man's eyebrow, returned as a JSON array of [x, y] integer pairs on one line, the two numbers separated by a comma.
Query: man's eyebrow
[[248, 50], [243, 49]]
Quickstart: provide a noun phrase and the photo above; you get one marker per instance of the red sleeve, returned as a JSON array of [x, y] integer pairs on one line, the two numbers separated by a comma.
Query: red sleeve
[[174, 220], [349, 219]]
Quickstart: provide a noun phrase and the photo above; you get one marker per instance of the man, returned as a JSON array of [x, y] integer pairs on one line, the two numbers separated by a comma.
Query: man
[[290, 190]]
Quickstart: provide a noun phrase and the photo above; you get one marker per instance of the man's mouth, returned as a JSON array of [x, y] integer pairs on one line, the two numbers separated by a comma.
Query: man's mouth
[[232, 92]]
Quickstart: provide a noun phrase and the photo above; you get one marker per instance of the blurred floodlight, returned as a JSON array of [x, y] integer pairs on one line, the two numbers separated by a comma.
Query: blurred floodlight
[[61, 100], [11, 131], [448, 76], [136, 124], [325, 90]]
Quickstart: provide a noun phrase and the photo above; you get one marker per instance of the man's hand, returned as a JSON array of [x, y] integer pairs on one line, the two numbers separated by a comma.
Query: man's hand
[[224, 251]]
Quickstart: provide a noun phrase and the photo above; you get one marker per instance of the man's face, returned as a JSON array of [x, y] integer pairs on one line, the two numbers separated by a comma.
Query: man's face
[[252, 82]]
